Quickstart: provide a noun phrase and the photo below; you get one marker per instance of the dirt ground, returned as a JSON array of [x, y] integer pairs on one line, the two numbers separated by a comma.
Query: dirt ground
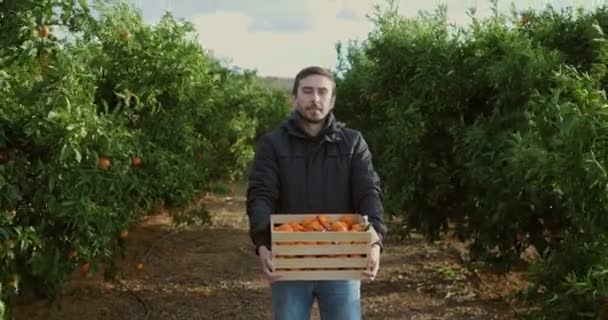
[[210, 272]]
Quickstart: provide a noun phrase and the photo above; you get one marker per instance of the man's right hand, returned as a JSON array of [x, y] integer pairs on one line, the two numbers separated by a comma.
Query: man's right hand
[[267, 264]]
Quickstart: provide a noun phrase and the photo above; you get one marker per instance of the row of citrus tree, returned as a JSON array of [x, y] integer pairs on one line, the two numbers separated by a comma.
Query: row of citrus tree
[[498, 131], [102, 118]]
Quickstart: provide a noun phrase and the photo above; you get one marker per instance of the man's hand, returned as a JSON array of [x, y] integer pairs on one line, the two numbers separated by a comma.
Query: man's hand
[[374, 263], [267, 264]]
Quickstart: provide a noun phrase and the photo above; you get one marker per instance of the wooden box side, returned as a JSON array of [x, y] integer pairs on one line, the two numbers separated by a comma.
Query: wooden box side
[[317, 275], [320, 255]]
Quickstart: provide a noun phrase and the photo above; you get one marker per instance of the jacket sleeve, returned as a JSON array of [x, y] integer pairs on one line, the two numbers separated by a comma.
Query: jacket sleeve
[[262, 193], [366, 191]]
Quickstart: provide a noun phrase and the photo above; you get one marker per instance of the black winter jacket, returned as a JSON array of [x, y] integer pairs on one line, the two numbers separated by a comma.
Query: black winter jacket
[[294, 172]]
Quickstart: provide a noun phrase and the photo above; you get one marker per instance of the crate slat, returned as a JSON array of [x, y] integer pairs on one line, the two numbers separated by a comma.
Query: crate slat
[[321, 236], [321, 275], [316, 263], [320, 249]]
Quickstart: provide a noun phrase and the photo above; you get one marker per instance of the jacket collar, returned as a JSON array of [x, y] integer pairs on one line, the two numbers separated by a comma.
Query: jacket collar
[[329, 132]]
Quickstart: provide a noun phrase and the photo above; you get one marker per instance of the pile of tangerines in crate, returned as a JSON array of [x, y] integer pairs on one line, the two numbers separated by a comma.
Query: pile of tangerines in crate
[[320, 242], [322, 223]]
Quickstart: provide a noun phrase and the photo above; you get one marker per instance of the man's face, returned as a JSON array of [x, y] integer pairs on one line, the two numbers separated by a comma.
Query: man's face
[[314, 99]]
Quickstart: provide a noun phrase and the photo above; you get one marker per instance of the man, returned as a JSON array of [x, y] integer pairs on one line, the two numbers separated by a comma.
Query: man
[[313, 164]]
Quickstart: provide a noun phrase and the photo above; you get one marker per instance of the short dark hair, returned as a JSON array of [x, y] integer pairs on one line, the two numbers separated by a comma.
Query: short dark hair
[[309, 71]]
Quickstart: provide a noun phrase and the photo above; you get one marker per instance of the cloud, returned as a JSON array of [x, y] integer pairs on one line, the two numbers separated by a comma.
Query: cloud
[[249, 40], [275, 15], [347, 14], [279, 18]]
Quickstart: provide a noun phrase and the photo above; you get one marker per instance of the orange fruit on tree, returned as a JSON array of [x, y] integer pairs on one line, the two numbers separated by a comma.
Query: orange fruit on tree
[[136, 161], [84, 268], [104, 163], [44, 31]]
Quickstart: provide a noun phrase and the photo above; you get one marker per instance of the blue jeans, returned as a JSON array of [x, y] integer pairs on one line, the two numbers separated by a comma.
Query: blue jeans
[[338, 300]]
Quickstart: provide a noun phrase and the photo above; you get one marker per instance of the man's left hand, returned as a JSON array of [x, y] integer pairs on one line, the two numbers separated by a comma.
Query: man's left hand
[[373, 264]]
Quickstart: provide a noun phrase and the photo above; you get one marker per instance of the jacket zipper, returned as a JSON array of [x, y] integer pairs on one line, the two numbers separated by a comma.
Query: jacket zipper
[[307, 177], [311, 150]]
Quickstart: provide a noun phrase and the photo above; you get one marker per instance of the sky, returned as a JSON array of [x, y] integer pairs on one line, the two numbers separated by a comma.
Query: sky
[[279, 37]]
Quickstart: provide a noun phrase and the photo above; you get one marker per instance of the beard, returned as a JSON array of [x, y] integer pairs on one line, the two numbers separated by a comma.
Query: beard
[[308, 114]]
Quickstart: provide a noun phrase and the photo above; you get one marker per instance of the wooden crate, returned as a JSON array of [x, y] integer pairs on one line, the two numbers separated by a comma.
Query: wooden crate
[[320, 255]]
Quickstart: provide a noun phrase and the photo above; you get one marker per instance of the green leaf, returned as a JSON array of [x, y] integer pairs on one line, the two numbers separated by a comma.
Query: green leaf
[[64, 153], [51, 183], [2, 307], [84, 4], [78, 155]]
